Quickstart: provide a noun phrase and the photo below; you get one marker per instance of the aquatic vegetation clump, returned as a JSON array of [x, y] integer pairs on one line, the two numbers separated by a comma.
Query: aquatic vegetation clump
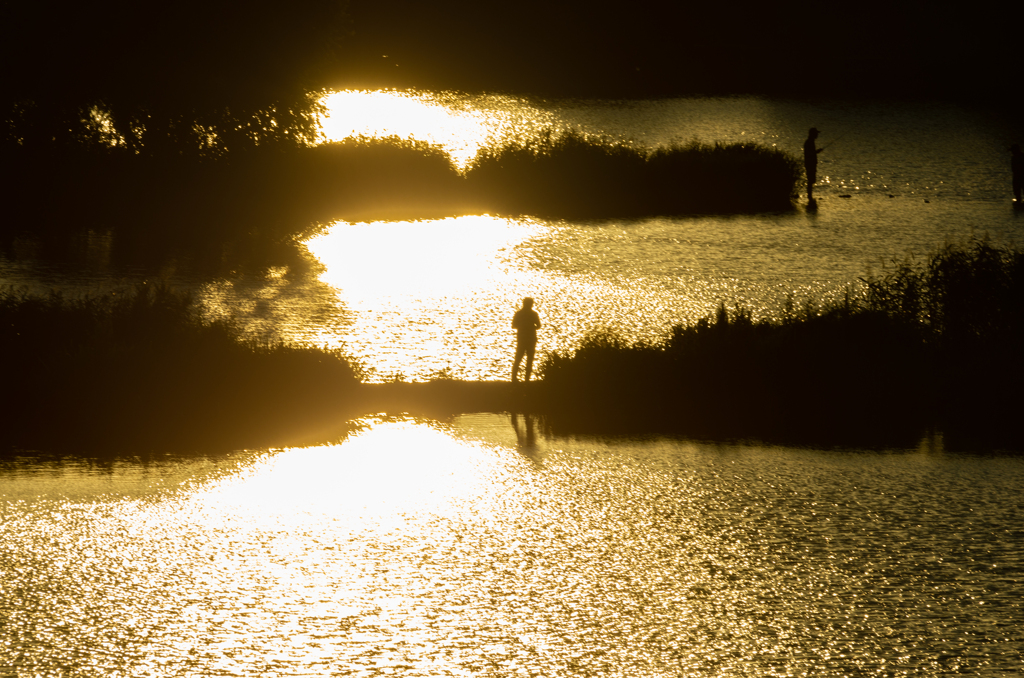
[[967, 304], [740, 177], [554, 176], [142, 369], [575, 175], [934, 345]]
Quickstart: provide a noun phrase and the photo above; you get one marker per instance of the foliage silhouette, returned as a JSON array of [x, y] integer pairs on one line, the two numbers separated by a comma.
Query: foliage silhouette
[[573, 175], [257, 203], [932, 345], [141, 369], [193, 78], [250, 206]]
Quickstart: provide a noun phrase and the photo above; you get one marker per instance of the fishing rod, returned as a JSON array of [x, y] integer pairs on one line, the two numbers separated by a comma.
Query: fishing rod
[[838, 138]]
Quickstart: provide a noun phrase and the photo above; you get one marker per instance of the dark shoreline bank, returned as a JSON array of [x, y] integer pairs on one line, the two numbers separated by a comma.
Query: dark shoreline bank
[[448, 397], [442, 400]]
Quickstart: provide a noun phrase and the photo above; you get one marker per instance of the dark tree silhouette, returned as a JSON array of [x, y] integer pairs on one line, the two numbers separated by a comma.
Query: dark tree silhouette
[[190, 77]]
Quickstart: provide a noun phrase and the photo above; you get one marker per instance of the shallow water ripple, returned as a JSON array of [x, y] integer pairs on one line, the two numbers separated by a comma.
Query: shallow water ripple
[[418, 549]]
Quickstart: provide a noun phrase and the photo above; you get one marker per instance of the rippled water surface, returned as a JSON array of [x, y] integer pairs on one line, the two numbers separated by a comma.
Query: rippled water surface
[[480, 548]]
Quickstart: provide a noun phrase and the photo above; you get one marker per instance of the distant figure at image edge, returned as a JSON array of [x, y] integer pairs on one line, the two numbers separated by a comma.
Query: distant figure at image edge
[[525, 322], [1017, 166], [811, 152]]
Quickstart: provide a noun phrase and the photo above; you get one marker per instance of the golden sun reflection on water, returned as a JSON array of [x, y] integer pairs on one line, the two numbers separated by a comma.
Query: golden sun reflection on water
[[459, 124], [431, 296], [423, 295], [422, 258], [417, 548], [386, 470], [382, 113], [346, 557], [414, 299]]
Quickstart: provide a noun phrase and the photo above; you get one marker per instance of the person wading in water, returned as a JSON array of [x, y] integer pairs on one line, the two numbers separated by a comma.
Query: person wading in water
[[811, 152], [525, 322]]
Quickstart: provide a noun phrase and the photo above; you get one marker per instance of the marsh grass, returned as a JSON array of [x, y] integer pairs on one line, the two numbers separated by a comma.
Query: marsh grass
[[930, 345], [574, 175], [142, 370]]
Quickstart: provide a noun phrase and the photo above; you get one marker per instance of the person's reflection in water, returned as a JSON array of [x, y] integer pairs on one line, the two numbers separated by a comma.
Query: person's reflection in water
[[526, 435], [811, 152], [1017, 165], [525, 322]]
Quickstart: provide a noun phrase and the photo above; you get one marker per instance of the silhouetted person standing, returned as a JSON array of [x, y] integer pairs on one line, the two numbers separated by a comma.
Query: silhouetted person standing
[[525, 322], [811, 152], [1017, 165]]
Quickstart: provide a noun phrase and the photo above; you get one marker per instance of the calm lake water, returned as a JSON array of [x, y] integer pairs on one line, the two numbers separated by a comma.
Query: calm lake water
[[484, 547]]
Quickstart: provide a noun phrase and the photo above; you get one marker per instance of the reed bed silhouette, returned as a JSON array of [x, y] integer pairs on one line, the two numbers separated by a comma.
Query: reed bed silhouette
[[250, 206], [573, 175], [141, 370], [930, 345], [255, 205]]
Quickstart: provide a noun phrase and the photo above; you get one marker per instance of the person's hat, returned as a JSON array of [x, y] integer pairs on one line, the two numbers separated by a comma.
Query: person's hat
[[814, 130]]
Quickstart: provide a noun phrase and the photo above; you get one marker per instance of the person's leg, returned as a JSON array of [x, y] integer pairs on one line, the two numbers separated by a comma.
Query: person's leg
[[529, 361], [520, 350]]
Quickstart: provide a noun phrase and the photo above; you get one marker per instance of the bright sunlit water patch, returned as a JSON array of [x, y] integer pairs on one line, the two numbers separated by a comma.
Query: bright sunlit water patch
[[459, 124], [424, 296], [425, 259], [483, 547], [353, 113], [432, 296], [385, 470]]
